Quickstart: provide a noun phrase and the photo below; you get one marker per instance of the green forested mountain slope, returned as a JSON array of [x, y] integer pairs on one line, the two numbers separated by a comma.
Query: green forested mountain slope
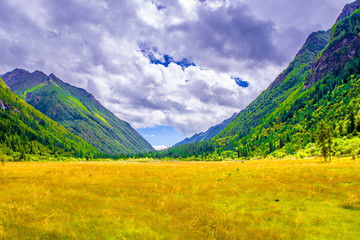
[[284, 86], [24, 129], [78, 111], [322, 83]]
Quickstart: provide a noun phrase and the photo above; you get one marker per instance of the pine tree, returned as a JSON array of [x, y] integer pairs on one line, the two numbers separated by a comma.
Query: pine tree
[[271, 147], [322, 139], [352, 123], [281, 143]]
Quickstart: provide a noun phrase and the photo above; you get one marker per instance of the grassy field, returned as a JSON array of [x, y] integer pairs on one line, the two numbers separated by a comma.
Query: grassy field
[[175, 200]]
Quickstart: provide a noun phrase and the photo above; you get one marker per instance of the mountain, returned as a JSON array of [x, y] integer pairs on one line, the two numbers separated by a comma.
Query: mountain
[[209, 134], [321, 85], [24, 129], [348, 10], [78, 111], [287, 84]]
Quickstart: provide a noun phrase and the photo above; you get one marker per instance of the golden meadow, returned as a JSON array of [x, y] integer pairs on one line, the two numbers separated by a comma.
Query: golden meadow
[[259, 199]]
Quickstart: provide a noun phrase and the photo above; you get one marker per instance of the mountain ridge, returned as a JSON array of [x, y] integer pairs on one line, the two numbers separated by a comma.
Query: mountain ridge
[[320, 87], [25, 130], [78, 111], [274, 95], [325, 71], [348, 9]]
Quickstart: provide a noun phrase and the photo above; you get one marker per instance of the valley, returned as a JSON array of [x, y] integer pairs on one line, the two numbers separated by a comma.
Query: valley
[[285, 165]]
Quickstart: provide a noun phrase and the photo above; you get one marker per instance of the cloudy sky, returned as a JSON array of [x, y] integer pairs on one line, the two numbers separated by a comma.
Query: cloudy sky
[[178, 65]]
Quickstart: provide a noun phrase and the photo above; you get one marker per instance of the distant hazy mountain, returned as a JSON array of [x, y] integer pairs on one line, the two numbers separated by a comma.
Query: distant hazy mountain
[[77, 110], [209, 134]]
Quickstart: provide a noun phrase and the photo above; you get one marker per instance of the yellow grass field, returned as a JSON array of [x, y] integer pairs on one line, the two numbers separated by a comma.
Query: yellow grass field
[[177, 200]]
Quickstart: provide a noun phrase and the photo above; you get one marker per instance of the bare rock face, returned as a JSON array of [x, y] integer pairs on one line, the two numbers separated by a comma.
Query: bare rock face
[[5, 106], [2, 105], [312, 47], [348, 10], [343, 47], [335, 57], [19, 79]]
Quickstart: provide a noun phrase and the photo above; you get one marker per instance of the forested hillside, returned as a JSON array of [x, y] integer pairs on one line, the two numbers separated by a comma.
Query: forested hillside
[[285, 119], [78, 111], [24, 130], [318, 92]]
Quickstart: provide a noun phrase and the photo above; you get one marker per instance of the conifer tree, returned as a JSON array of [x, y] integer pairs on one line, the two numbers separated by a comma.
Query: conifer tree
[[352, 123], [322, 139]]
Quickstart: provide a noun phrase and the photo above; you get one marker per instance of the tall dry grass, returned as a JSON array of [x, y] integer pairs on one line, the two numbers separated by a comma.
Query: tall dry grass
[[279, 199]]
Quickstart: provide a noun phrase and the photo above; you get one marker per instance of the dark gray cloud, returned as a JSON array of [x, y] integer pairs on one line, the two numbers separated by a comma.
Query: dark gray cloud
[[231, 32], [95, 44], [296, 19]]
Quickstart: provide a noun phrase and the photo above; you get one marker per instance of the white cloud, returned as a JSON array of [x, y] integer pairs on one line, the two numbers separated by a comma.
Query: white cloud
[[150, 15], [149, 136]]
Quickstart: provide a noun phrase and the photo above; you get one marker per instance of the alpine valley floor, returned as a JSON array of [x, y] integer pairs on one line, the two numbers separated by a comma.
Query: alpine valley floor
[[258, 199]]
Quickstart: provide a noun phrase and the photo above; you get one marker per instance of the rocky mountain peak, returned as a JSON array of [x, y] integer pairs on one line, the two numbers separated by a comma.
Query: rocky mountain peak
[[20, 78], [348, 10]]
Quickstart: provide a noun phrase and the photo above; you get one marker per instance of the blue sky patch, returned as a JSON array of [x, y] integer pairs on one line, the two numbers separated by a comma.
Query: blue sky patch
[[160, 7], [161, 135], [166, 59], [241, 82]]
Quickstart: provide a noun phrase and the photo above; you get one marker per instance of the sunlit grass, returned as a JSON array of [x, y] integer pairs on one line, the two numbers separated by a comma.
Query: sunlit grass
[[228, 200]]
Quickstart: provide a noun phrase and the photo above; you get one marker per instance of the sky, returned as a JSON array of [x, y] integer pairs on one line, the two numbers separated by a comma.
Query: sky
[[171, 68]]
